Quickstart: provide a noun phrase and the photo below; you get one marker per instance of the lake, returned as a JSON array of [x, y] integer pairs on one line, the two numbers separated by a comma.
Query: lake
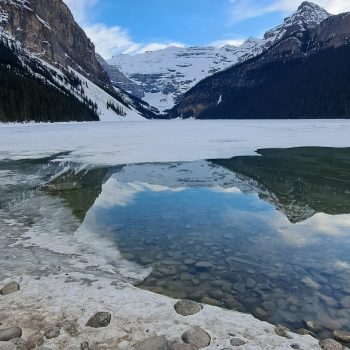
[[265, 234]]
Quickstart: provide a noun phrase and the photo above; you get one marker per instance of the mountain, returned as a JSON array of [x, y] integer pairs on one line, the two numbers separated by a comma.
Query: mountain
[[304, 74], [48, 64], [299, 182], [163, 76]]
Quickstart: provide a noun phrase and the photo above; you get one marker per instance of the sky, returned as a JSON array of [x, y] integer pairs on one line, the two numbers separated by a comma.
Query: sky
[[137, 26]]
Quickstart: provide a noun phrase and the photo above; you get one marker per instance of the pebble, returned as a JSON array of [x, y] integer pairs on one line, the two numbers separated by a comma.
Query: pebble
[[260, 313], [237, 342], [51, 332], [10, 288], [345, 302], [101, 319], [197, 338], [187, 307], [204, 265], [312, 326], [330, 344], [282, 332], [10, 333]]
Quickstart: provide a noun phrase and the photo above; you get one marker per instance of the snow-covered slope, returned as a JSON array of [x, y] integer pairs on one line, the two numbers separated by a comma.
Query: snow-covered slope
[[50, 48], [166, 74]]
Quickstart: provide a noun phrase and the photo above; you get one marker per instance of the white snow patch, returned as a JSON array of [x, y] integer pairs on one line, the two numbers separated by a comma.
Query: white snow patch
[[108, 143]]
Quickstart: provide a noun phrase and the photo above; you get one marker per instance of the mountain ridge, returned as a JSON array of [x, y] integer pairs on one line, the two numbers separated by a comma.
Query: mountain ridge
[[165, 75], [303, 75]]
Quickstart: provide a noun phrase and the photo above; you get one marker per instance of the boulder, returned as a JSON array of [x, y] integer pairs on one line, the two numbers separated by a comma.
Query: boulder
[[99, 320], [10, 333], [197, 338], [10, 288], [187, 307]]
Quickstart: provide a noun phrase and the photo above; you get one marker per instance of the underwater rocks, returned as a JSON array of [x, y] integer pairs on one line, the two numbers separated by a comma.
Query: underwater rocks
[[51, 332]]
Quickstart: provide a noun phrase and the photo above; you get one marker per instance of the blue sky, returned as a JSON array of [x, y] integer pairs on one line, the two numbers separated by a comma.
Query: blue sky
[[135, 26]]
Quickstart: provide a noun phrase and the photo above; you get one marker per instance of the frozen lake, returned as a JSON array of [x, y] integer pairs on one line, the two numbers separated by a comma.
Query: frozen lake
[[173, 208]]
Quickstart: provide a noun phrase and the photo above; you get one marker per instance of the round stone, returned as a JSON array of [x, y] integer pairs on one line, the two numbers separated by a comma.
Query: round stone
[[187, 307], [237, 342], [197, 338]]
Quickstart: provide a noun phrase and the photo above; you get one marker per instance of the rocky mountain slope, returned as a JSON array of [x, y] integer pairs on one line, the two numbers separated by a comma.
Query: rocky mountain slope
[[304, 74], [53, 52], [160, 77]]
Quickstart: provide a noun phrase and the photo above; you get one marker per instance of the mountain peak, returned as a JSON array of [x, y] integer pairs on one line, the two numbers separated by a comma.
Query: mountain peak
[[309, 15]]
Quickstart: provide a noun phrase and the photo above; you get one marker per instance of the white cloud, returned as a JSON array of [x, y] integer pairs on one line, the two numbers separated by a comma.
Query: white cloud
[[108, 40], [232, 42], [115, 40], [81, 9], [245, 9]]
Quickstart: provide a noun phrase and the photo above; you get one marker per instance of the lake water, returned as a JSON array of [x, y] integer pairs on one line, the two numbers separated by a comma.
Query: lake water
[[268, 234]]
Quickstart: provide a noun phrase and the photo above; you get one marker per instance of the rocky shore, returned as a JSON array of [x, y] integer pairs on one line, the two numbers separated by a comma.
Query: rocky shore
[[77, 311]]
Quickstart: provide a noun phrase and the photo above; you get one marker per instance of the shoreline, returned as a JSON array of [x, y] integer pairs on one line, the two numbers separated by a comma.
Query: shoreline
[[67, 301]]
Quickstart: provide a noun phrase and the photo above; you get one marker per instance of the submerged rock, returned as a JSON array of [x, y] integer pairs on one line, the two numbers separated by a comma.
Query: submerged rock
[[342, 336], [260, 313], [153, 343], [330, 344], [187, 307], [51, 332], [197, 338], [10, 333], [101, 319], [10, 288], [312, 326]]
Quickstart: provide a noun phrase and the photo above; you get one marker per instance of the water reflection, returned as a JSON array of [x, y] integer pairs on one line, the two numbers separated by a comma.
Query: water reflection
[[211, 232], [267, 234]]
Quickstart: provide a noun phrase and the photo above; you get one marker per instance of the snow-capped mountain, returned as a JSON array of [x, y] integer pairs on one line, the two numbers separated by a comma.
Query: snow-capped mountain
[[42, 45], [164, 75], [303, 75]]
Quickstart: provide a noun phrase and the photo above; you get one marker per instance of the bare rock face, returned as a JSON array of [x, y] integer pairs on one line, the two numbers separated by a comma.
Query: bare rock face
[[47, 28]]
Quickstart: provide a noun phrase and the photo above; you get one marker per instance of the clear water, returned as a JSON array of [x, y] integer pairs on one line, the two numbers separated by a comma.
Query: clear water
[[266, 235]]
